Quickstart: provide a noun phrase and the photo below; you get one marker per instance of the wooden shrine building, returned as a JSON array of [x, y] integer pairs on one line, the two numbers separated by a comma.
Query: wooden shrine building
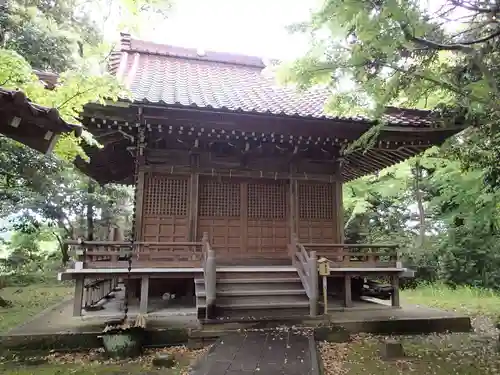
[[238, 183]]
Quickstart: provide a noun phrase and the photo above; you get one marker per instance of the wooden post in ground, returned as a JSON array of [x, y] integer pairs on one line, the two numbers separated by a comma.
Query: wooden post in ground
[[313, 278], [347, 291], [78, 298], [143, 309], [325, 296], [395, 290], [210, 284]]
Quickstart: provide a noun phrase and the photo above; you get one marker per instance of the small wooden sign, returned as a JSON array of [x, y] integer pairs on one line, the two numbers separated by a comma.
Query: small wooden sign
[[323, 268]]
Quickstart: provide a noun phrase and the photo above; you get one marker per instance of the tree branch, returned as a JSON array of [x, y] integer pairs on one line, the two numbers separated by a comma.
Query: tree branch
[[474, 8], [74, 96], [462, 46]]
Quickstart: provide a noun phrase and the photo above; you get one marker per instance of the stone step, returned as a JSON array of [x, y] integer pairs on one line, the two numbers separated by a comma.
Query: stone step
[[278, 315]]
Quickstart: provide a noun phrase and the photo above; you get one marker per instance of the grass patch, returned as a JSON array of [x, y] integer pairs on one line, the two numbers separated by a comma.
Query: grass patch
[[464, 299], [27, 302]]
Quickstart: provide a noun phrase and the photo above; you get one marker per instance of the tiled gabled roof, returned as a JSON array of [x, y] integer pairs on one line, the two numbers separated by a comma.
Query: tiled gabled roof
[[177, 76]]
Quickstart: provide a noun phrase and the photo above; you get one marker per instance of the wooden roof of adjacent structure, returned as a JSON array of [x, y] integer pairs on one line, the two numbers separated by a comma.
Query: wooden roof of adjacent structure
[[31, 124], [184, 96]]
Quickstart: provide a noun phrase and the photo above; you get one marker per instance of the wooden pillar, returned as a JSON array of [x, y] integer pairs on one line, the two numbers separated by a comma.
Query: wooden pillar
[[313, 279], [143, 309], [90, 210], [244, 217], [78, 298], [339, 204], [294, 208], [347, 291], [132, 288], [138, 204], [193, 207], [395, 290], [340, 211]]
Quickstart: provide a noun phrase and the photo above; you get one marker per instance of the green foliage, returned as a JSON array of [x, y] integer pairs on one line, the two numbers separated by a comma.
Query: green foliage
[[50, 197], [404, 53], [45, 193], [75, 89], [442, 207]]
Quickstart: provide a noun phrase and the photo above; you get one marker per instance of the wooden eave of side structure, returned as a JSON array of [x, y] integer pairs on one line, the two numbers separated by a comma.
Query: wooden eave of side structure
[[33, 125], [194, 129]]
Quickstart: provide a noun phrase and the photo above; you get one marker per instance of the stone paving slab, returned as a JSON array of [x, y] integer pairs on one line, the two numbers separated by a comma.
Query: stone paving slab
[[261, 353]]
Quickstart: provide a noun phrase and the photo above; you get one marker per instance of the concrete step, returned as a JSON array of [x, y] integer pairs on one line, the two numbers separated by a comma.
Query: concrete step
[[280, 314]]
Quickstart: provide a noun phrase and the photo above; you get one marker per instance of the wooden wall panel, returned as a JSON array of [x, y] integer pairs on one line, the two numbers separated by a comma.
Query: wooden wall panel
[[244, 218], [267, 230], [318, 212], [219, 214], [166, 218], [268, 236], [224, 234]]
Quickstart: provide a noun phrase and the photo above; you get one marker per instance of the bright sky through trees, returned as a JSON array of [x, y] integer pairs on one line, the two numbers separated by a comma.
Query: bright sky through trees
[[254, 27]]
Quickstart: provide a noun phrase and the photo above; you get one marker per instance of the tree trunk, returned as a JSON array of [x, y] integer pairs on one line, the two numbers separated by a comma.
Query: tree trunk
[[64, 249], [420, 204], [90, 210]]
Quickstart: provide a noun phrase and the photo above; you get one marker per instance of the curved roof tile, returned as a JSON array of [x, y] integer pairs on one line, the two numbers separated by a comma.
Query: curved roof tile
[[158, 73]]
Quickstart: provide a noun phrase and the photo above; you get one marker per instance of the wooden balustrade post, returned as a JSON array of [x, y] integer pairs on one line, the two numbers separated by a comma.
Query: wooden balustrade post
[[395, 290], [347, 290], [313, 279], [210, 284], [78, 298], [293, 247], [399, 264]]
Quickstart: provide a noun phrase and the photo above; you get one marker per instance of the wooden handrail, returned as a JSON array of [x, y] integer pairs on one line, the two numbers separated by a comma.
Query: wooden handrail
[[87, 251], [127, 243], [351, 245], [209, 276], [306, 265], [353, 254]]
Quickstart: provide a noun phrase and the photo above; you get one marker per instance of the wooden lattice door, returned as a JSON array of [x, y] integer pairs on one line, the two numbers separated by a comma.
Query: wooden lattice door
[[220, 214], [317, 212], [267, 223], [165, 217], [244, 218]]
